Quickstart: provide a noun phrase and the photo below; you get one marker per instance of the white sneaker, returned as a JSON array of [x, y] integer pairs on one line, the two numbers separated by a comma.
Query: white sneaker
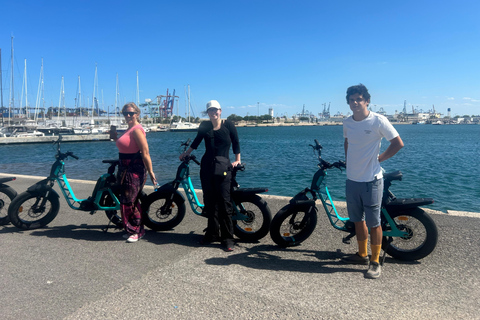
[[134, 238], [374, 271]]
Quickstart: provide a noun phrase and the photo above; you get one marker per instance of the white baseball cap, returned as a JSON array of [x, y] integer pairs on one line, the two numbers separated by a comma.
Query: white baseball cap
[[213, 104]]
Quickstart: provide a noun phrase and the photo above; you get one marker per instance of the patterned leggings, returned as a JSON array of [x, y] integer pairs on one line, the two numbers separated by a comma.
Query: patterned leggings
[[132, 176]]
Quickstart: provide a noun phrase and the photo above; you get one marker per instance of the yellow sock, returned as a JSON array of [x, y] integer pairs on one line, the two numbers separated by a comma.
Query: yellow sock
[[363, 248], [375, 253]]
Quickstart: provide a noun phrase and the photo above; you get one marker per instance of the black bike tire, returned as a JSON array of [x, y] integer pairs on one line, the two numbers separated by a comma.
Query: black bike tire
[[17, 204], [262, 205], [284, 214], [426, 247], [149, 204], [11, 194]]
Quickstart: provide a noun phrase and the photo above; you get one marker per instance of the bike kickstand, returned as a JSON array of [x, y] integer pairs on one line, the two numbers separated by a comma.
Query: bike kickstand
[[108, 226], [385, 251], [383, 258]]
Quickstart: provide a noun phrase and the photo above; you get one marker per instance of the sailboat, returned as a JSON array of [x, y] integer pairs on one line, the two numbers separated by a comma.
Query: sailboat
[[181, 126]]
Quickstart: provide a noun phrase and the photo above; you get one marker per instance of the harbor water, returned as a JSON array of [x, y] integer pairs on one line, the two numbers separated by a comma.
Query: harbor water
[[438, 161]]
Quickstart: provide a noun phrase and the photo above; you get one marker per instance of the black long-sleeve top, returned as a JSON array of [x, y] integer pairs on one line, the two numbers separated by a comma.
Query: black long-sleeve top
[[224, 137]]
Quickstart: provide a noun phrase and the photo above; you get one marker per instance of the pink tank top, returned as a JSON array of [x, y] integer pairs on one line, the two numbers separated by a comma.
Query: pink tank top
[[126, 143]]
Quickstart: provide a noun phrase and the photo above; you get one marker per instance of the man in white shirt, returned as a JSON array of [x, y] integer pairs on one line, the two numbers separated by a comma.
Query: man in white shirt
[[363, 133]]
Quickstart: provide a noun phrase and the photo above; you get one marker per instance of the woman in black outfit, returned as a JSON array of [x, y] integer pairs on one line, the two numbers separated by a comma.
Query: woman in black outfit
[[219, 136]]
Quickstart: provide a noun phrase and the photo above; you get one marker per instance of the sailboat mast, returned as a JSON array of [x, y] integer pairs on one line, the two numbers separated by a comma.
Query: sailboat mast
[[26, 90], [94, 96], [80, 98], [116, 101], [1, 84], [63, 100], [11, 105], [60, 100], [188, 103], [39, 90]]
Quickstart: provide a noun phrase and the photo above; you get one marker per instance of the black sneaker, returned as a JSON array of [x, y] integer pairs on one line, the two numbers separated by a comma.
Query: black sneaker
[[355, 259], [374, 271], [229, 245]]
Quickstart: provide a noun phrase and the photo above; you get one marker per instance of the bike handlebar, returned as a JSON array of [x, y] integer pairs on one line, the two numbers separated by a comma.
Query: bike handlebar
[[318, 147], [185, 144], [192, 157], [70, 154], [61, 155]]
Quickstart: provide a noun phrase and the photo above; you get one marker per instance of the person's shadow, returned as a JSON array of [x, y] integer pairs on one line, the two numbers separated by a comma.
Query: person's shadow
[[266, 257]]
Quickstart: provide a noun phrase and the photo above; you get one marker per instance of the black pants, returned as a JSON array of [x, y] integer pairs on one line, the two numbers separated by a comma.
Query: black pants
[[217, 204]]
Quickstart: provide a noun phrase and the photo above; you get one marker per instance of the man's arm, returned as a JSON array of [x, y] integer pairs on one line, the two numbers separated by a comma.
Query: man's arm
[[395, 145]]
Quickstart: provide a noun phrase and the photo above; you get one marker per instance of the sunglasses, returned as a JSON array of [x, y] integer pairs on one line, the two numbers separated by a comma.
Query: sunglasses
[[128, 113]]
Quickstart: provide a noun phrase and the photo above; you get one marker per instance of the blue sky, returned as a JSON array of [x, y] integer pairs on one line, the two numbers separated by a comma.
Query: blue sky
[[248, 55]]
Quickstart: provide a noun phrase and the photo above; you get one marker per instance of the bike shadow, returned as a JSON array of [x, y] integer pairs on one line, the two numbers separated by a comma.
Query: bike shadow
[[269, 257], [88, 232], [77, 232]]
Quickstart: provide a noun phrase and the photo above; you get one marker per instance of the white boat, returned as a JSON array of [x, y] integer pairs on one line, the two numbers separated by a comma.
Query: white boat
[[21, 131], [183, 126], [91, 130]]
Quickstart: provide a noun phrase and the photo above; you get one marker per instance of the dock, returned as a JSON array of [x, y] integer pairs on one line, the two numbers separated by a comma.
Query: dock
[[49, 139]]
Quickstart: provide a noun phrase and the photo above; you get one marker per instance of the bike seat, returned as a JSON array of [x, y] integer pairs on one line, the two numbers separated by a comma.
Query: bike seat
[[2, 180], [396, 175], [110, 161]]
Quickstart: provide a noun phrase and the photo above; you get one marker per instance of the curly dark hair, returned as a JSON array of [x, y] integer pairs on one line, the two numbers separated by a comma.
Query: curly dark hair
[[360, 89]]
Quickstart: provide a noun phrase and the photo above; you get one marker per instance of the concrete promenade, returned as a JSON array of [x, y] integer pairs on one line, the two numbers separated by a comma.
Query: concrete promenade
[[73, 270]]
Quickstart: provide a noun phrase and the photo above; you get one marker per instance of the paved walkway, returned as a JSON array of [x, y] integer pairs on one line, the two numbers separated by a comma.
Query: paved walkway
[[73, 270]]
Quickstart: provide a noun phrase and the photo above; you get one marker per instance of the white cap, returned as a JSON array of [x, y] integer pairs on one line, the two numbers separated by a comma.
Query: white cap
[[213, 104]]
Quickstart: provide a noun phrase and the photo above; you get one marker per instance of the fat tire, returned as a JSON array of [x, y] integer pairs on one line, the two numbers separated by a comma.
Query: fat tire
[[419, 225], [19, 207], [257, 208], [155, 217], [7, 194], [282, 219]]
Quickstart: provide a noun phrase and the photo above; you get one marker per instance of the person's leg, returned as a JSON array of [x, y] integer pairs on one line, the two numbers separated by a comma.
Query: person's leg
[[209, 207], [356, 215], [225, 209], [361, 232], [373, 206], [373, 220], [132, 185], [376, 235]]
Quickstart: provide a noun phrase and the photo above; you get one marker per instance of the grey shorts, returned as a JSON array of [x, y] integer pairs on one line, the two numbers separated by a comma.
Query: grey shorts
[[364, 201]]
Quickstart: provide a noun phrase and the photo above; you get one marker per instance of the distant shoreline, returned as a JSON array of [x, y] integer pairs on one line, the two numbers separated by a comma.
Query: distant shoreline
[[323, 123]]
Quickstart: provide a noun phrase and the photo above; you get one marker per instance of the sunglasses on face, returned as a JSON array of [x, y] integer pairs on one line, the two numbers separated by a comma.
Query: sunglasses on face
[[125, 113]]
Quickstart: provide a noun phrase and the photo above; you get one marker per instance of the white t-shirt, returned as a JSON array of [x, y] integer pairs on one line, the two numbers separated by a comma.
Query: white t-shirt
[[364, 139]]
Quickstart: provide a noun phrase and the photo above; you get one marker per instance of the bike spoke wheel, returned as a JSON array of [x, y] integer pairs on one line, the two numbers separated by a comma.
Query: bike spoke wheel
[[252, 221], [31, 211], [292, 225], [6, 197], [163, 212], [420, 239]]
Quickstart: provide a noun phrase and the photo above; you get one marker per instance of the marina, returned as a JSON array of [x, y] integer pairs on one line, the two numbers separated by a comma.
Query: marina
[[51, 138], [437, 161]]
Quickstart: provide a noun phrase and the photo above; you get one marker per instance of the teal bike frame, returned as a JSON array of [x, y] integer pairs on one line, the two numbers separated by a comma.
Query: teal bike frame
[[320, 189]]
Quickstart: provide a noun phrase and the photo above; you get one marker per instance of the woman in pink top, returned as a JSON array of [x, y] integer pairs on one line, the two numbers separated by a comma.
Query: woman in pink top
[[135, 162]]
